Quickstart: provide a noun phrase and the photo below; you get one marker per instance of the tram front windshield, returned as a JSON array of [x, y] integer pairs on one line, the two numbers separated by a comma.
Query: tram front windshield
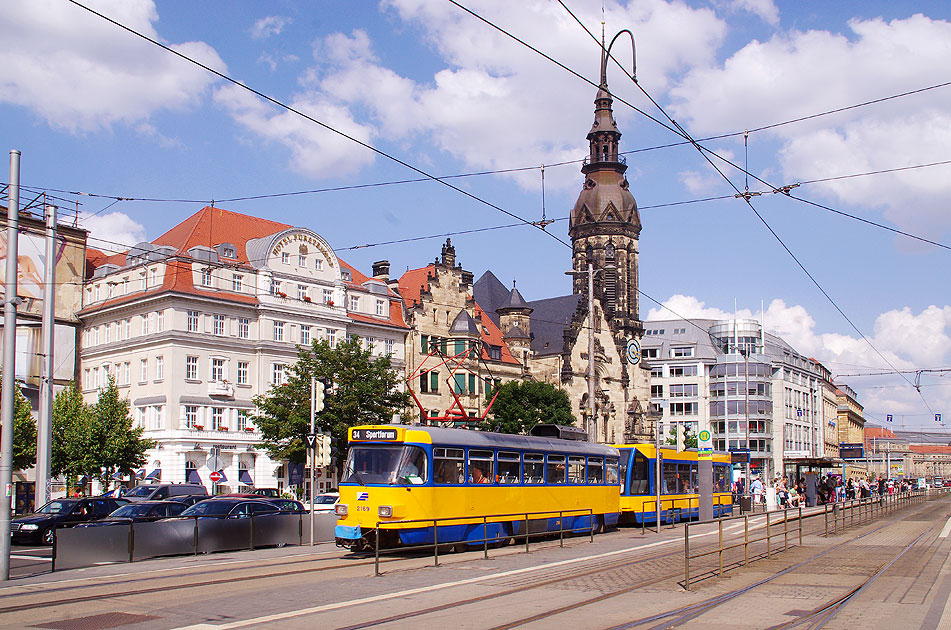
[[386, 464]]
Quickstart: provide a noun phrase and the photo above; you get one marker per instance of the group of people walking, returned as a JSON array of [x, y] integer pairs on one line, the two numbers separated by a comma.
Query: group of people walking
[[827, 489]]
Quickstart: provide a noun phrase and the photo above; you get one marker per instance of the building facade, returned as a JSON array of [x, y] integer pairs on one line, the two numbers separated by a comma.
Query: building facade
[[750, 389], [195, 324]]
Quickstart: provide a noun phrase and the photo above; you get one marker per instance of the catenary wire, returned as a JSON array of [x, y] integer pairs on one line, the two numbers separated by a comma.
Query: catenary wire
[[324, 125], [759, 216]]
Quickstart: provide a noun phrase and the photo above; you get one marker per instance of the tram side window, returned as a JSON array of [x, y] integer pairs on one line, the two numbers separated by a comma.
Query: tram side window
[[683, 479], [534, 468], [611, 476], [481, 469], [575, 469], [412, 469], [448, 465], [595, 470], [640, 474], [669, 480], [720, 474], [556, 469], [508, 469]]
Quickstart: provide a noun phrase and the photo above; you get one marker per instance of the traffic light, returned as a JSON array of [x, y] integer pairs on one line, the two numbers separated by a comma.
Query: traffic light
[[319, 396], [323, 450]]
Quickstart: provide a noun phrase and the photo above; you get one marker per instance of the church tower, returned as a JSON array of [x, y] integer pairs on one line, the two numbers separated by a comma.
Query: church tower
[[604, 225]]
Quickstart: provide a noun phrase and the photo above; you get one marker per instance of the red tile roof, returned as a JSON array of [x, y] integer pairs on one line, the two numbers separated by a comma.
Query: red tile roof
[[878, 432], [932, 449], [213, 226]]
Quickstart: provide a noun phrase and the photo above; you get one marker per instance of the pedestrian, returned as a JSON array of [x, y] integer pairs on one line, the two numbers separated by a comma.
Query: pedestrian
[[756, 488], [850, 489]]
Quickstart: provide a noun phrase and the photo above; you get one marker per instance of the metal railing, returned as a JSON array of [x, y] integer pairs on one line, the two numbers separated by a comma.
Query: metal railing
[[484, 521], [769, 534], [843, 514], [675, 514]]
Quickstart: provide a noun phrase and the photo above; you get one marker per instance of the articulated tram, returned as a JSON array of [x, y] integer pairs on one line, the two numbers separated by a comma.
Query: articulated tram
[[397, 473], [679, 484]]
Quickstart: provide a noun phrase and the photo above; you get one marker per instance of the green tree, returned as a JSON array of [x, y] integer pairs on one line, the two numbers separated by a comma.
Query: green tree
[[72, 444], [24, 431], [364, 391], [95, 440], [690, 438], [520, 405], [122, 446]]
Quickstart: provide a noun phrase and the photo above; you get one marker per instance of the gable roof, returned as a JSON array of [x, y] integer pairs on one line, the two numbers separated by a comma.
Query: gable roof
[[212, 226]]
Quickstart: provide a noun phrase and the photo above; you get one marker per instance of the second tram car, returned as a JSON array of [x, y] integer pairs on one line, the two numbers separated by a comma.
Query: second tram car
[[461, 479], [679, 484]]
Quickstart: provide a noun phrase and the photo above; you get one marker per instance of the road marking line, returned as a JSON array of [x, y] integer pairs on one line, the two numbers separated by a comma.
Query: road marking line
[[947, 529]]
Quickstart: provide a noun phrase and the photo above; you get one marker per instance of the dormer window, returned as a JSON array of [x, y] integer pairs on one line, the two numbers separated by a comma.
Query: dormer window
[[229, 252], [345, 273]]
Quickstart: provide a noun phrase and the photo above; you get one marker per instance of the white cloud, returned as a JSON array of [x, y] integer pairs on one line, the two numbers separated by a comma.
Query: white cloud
[[80, 73], [115, 231], [802, 73], [315, 150], [764, 9], [491, 105], [270, 25], [902, 340]]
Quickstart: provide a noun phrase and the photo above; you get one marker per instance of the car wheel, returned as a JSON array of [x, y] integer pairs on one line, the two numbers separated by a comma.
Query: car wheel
[[48, 536]]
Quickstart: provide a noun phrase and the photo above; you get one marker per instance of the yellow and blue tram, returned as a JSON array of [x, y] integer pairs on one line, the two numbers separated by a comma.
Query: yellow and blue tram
[[679, 484], [397, 473]]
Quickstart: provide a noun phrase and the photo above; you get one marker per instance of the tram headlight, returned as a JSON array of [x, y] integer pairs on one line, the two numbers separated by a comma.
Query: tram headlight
[[340, 509], [385, 511]]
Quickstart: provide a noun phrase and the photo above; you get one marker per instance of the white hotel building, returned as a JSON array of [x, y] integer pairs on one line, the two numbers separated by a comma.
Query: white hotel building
[[196, 323]]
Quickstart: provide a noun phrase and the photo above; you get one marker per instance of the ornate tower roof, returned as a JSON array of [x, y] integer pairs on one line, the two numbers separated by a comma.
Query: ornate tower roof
[[515, 302], [605, 205]]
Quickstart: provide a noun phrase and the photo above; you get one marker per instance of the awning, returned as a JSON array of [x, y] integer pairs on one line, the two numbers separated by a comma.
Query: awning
[[80, 480], [117, 475], [140, 473], [224, 479], [155, 474], [193, 476], [245, 477]]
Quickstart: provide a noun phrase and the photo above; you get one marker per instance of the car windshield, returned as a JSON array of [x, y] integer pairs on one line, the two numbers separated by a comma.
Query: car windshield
[[140, 491], [371, 463], [326, 499], [209, 508], [131, 510], [56, 507]]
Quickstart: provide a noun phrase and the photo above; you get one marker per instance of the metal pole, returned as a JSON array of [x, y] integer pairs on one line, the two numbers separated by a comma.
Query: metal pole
[[9, 358], [746, 393], [592, 421], [44, 428], [312, 454], [657, 470]]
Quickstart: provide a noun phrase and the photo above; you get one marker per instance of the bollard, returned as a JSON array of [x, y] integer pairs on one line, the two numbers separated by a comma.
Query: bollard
[[485, 538]]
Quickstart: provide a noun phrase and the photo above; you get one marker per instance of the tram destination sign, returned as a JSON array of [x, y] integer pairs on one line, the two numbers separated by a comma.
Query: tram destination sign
[[851, 450], [374, 434]]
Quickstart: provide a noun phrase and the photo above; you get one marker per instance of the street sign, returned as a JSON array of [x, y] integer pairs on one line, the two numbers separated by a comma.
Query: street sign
[[311, 440], [704, 436], [704, 453], [215, 476], [888, 417], [937, 417]]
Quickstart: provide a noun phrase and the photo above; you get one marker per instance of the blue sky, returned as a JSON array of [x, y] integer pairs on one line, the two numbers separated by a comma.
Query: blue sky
[[97, 110]]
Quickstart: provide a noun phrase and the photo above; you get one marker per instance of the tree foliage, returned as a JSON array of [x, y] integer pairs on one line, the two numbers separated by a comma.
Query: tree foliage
[[95, 440], [520, 405], [363, 391], [690, 438], [24, 431]]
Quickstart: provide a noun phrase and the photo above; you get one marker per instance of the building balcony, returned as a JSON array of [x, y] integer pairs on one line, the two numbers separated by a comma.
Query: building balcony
[[220, 389]]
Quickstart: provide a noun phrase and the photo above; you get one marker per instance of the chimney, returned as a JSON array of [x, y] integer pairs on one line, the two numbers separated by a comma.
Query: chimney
[[381, 270]]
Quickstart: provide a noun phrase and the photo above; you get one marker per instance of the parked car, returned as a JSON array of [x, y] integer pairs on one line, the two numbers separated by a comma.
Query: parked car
[[324, 503], [160, 491], [288, 505], [140, 512], [271, 493], [188, 500], [38, 527], [230, 507]]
